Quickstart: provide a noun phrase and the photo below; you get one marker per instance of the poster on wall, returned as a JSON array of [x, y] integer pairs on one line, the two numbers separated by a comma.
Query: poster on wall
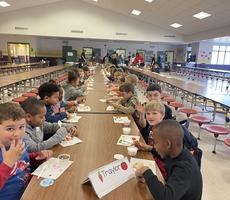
[[121, 52], [88, 52]]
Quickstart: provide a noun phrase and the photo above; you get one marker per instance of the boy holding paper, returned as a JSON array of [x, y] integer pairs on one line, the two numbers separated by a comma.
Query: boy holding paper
[[14, 159], [184, 180], [39, 133]]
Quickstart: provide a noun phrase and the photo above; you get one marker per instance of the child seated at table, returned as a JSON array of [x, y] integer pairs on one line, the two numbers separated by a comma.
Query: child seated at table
[[133, 79], [39, 133], [49, 94], [155, 112], [153, 94], [184, 180], [71, 90], [127, 103], [15, 162]]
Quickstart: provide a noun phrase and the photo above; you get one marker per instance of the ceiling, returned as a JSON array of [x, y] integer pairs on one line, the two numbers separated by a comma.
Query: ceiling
[[18, 4], [165, 12], [159, 13]]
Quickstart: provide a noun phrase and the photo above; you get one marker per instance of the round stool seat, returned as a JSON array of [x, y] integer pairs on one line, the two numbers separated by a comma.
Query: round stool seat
[[227, 142], [29, 94], [163, 95], [217, 130], [169, 99], [188, 111], [176, 104], [200, 119], [19, 99]]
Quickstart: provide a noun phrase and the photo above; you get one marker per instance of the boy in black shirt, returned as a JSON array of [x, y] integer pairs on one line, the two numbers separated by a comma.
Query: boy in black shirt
[[184, 180]]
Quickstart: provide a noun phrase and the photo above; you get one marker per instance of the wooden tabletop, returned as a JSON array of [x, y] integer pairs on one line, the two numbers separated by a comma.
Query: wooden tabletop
[[8, 66], [100, 135], [12, 79], [193, 88], [99, 92]]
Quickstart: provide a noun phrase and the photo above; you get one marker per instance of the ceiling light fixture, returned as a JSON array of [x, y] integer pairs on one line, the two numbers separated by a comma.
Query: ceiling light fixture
[[202, 15], [176, 25], [150, 1], [136, 12], [4, 4]]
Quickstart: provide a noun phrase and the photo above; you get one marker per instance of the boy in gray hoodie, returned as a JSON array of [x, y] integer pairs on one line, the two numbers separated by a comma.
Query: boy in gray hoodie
[[40, 134]]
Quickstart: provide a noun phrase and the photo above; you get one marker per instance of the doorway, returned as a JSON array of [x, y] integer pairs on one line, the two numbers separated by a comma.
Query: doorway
[[18, 52]]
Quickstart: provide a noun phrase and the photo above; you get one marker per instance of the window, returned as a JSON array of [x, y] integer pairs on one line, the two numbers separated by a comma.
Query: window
[[220, 55]]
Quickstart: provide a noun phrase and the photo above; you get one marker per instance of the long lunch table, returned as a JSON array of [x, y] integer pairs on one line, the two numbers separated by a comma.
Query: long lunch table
[[99, 135], [194, 89], [18, 67], [14, 81]]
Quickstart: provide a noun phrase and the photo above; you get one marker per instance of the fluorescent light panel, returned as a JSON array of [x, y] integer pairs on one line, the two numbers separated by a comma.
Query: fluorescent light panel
[[176, 25], [202, 15], [136, 12], [4, 4], [150, 1], [95, 0]]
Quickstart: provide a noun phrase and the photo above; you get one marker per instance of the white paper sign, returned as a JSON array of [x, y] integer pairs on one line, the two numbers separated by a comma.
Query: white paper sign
[[102, 100], [110, 108], [52, 168], [72, 141], [147, 163], [111, 176], [83, 109], [89, 88], [127, 140], [120, 120], [72, 119]]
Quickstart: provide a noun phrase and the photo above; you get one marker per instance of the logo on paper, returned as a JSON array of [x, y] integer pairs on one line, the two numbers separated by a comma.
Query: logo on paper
[[100, 177], [124, 166]]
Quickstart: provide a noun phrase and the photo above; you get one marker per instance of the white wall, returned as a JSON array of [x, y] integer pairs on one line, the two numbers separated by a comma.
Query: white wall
[[53, 47], [60, 18]]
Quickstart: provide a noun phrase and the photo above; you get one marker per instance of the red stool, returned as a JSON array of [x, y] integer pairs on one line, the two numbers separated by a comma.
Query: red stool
[[176, 105], [19, 99], [29, 94], [164, 95], [227, 142], [188, 111], [200, 120], [216, 130], [169, 100]]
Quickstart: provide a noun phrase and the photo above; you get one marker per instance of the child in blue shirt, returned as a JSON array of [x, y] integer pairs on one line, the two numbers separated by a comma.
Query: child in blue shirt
[[14, 159], [49, 93]]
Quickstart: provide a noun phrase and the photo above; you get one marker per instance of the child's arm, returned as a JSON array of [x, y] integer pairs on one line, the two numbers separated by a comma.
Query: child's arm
[[55, 117], [141, 111], [5, 171], [10, 157], [56, 138]]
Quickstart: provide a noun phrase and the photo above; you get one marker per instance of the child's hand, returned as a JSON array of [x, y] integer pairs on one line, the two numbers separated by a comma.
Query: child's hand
[[139, 107], [139, 173], [142, 146], [73, 131], [62, 109], [68, 115], [14, 153], [44, 154]]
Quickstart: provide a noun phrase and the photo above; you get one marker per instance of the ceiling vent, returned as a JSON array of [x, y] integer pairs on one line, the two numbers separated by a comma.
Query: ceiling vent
[[121, 33], [77, 31], [20, 28], [170, 36]]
